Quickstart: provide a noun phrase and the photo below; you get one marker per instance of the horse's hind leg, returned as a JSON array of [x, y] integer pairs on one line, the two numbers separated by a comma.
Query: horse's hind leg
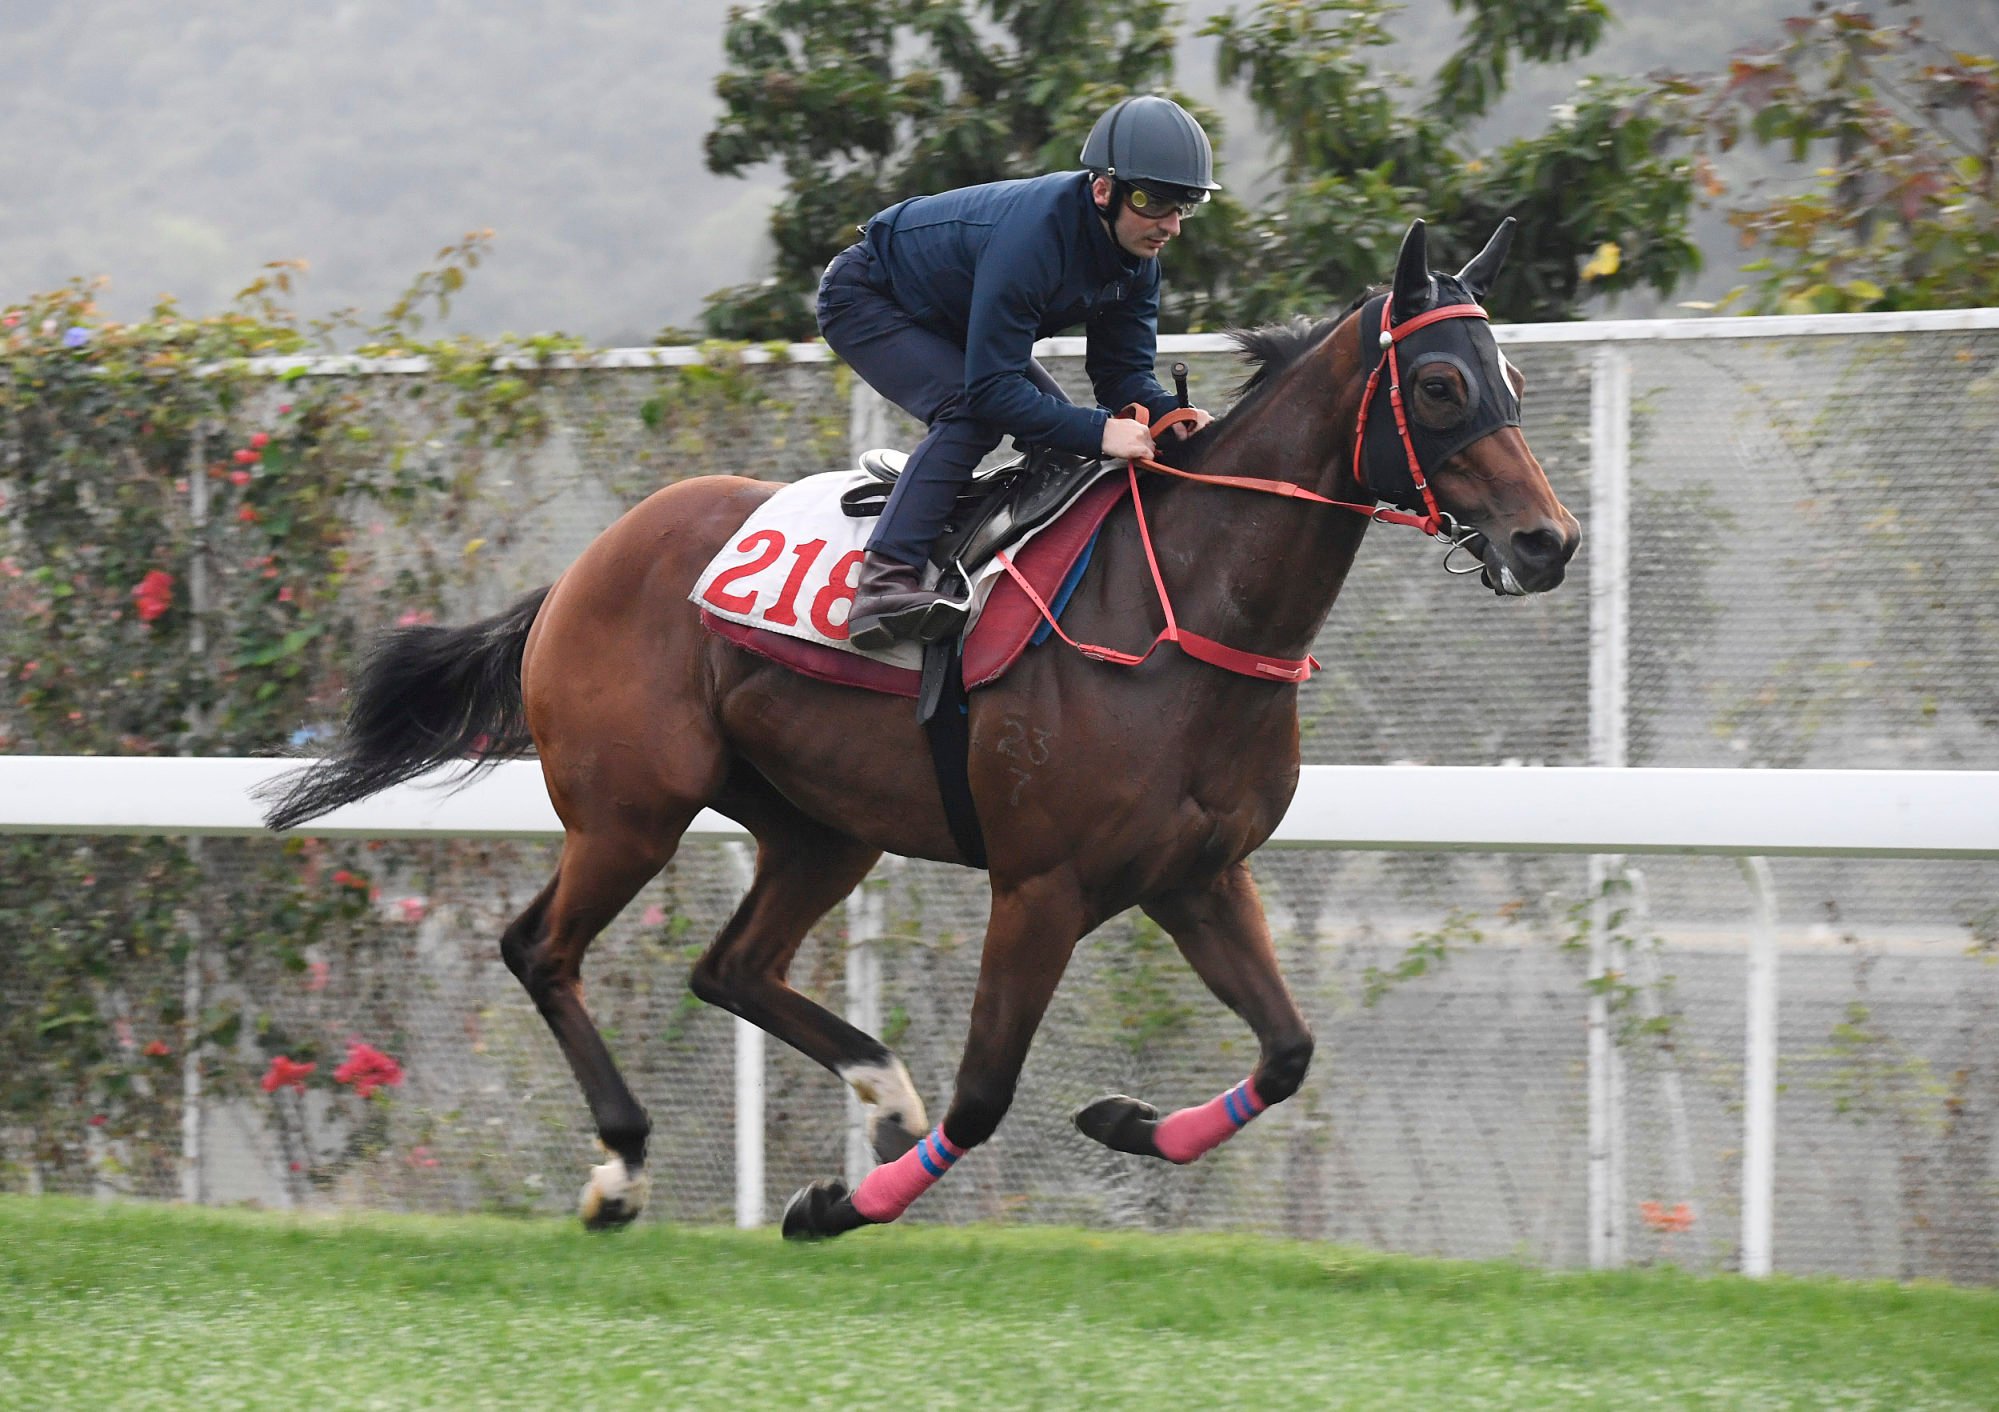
[[599, 872], [1221, 931], [803, 869]]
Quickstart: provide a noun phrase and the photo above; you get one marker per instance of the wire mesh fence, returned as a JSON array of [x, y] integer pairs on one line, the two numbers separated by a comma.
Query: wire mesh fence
[[1811, 584]]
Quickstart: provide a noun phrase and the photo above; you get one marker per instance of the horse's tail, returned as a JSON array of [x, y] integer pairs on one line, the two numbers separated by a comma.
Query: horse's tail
[[426, 696]]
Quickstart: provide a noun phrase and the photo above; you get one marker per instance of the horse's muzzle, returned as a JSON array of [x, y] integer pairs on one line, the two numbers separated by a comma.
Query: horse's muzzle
[[1535, 561], [1541, 557]]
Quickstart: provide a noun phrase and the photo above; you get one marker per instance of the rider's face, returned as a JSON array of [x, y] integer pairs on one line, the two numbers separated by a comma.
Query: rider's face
[[1138, 234]]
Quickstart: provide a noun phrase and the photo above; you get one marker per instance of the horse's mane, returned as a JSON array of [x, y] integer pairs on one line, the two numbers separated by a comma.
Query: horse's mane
[[1269, 350]]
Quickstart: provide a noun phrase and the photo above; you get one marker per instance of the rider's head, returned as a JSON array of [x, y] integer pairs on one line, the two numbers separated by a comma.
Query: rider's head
[[1153, 165]]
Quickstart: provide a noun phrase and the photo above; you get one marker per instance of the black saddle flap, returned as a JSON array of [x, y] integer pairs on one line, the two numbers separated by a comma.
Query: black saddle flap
[[1035, 494]]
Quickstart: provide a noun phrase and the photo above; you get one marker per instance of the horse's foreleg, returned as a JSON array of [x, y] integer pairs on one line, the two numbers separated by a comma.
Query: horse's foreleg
[[1221, 931], [1028, 941], [802, 870], [598, 874]]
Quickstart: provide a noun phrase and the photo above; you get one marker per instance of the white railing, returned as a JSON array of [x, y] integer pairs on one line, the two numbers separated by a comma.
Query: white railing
[[1379, 808], [1745, 813], [1173, 344]]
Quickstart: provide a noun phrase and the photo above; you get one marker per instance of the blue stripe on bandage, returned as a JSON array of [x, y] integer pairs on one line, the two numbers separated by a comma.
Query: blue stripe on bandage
[[1238, 1106], [935, 1157]]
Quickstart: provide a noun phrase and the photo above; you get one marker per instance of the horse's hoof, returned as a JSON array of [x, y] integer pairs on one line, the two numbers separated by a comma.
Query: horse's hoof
[[890, 1139], [820, 1212], [1121, 1124], [613, 1197]]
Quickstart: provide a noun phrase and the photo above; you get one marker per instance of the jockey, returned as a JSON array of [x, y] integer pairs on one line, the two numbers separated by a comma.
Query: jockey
[[939, 303]]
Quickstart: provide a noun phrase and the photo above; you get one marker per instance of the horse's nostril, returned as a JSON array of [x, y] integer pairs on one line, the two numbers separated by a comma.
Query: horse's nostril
[[1538, 549]]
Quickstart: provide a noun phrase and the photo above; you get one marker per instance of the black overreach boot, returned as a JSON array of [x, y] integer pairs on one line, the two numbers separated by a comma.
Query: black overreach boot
[[891, 605]]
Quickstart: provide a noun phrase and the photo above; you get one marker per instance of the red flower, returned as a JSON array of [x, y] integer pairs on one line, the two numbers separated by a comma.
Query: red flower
[[286, 1071], [154, 594], [247, 457], [368, 1069], [97, 1120], [158, 1049], [247, 514], [260, 441], [239, 477], [1675, 1221]]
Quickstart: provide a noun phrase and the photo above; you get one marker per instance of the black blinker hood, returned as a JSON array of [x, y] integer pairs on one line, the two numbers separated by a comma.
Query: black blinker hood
[[1465, 343]]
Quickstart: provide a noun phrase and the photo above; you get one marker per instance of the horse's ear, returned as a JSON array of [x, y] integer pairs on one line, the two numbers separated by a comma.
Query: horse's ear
[[1479, 275], [1412, 271]]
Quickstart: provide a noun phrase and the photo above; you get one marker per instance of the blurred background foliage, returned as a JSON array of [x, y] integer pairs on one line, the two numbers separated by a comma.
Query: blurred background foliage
[[176, 150], [860, 104]]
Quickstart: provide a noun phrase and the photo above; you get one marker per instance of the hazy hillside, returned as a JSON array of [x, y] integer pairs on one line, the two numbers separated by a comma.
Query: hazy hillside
[[176, 148]]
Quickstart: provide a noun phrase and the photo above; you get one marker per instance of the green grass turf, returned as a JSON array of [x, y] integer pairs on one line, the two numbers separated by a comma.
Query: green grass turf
[[129, 1307]]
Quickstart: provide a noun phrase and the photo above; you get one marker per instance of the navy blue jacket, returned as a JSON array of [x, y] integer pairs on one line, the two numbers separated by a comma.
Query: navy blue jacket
[[995, 267]]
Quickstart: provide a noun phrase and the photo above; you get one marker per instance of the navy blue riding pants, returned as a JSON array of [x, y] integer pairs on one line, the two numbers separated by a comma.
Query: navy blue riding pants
[[922, 372]]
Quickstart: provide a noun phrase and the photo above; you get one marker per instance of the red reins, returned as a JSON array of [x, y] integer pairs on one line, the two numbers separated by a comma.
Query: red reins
[[1206, 649]]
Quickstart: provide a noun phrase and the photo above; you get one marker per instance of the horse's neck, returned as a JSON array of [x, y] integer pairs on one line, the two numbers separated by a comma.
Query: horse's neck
[[1268, 567]]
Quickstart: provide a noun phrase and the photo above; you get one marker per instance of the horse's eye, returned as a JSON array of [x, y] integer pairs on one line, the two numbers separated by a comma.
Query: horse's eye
[[1439, 388]]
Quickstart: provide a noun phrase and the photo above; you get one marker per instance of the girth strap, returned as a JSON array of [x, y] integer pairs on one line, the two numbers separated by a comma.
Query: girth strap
[[942, 710]]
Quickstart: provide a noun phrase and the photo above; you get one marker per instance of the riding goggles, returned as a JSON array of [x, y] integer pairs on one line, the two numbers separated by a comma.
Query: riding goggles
[[1158, 202]]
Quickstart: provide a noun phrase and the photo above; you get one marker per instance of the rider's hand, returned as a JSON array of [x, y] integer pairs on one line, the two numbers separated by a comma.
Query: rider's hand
[[1127, 439], [1183, 430]]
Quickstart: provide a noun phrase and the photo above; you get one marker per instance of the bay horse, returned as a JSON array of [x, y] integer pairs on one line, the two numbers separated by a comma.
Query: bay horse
[[1099, 787]]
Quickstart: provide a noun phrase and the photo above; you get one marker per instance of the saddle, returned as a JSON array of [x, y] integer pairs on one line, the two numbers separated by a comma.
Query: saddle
[[998, 507]]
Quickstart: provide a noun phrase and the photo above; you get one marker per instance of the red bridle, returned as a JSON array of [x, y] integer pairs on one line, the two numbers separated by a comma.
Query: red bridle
[[1253, 664], [1431, 523]]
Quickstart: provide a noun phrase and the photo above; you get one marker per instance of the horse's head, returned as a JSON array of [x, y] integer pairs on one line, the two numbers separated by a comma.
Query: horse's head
[[1439, 431]]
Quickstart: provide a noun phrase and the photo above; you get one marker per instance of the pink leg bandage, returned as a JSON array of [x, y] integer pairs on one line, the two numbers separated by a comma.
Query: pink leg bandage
[[1185, 1135], [885, 1193]]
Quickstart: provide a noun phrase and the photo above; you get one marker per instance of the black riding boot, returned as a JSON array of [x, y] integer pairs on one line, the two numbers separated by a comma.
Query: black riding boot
[[891, 605]]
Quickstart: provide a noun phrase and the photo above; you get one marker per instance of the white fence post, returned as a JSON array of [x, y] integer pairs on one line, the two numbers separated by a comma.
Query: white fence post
[[866, 910], [194, 969], [749, 1126], [869, 420], [1609, 565], [1759, 1076], [749, 1095]]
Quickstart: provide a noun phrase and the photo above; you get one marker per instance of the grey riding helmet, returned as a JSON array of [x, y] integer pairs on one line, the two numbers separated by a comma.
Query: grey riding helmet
[[1154, 145]]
